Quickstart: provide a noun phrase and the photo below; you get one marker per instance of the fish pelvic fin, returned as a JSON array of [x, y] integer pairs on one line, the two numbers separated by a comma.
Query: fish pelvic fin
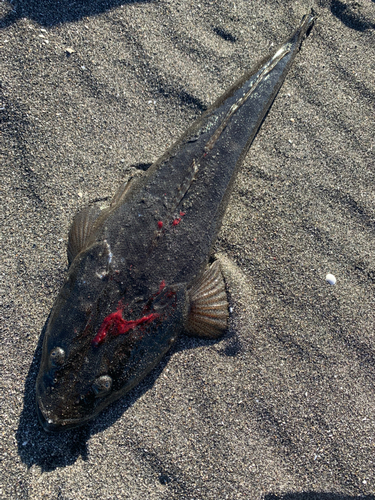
[[208, 312]]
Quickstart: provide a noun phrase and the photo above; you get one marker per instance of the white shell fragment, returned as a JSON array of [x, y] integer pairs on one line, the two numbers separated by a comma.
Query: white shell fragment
[[331, 279]]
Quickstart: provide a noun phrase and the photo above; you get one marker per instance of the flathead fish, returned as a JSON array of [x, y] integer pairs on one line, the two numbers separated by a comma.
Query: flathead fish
[[139, 272]]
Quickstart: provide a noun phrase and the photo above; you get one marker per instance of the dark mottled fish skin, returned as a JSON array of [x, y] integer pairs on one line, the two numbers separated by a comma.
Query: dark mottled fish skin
[[139, 272]]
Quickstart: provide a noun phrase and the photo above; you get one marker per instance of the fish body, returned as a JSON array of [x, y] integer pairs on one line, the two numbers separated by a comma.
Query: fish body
[[139, 273]]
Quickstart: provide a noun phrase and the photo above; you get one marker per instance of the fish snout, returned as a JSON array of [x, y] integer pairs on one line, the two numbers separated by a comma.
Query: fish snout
[[53, 423], [47, 423]]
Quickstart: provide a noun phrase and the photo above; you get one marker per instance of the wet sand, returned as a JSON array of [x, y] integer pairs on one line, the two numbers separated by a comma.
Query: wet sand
[[283, 406]]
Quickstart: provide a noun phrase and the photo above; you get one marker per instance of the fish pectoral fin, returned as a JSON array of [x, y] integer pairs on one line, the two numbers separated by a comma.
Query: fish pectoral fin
[[80, 230], [208, 311]]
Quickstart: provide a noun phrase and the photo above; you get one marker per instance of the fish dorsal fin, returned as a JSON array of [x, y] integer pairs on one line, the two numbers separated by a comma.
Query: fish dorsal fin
[[80, 230], [208, 313]]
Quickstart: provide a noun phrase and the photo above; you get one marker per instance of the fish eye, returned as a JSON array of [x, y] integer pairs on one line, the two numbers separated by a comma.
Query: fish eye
[[57, 357], [102, 386]]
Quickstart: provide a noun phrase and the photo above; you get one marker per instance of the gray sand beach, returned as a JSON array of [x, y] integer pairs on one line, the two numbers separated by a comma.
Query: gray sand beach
[[283, 406]]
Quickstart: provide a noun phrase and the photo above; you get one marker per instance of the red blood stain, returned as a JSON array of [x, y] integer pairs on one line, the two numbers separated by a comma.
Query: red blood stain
[[151, 299], [171, 294], [178, 220], [116, 325], [160, 224]]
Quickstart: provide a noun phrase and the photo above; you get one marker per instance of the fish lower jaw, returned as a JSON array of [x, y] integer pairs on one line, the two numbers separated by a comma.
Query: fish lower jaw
[[55, 425]]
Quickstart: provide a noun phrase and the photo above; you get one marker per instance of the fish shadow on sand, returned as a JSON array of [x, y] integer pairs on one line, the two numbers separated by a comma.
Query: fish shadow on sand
[[54, 450], [314, 495], [51, 13], [351, 17]]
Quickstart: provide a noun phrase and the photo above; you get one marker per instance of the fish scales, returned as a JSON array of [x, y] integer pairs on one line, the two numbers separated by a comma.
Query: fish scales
[[217, 162], [139, 273]]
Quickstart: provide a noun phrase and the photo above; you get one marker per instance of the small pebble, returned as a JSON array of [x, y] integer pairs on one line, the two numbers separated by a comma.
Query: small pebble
[[331, 279]]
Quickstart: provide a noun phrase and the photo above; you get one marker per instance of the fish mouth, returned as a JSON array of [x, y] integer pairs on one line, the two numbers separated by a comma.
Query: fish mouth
[[55, 425]]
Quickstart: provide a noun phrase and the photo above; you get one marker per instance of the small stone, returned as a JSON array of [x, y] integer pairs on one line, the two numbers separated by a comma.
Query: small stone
[[70, 50]]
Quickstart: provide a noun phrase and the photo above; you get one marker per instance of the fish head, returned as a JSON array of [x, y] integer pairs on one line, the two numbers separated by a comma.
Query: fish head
[[96, 348]]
